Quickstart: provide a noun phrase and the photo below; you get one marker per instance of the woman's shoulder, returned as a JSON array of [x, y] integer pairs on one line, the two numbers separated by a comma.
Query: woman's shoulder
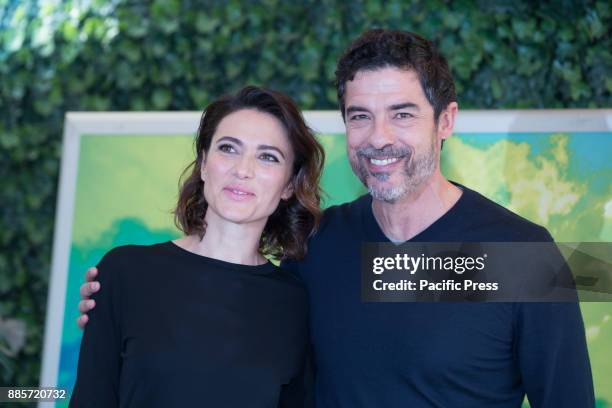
[[288, 276], [129, 267], [126, 252], [128, 256], [289, 287]]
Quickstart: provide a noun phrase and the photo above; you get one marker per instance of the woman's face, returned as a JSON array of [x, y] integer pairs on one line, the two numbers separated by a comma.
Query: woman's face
[[247, 169]]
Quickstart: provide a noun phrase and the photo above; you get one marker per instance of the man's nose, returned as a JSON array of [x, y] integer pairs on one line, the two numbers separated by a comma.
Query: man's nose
[[245, 167], [382, 134]]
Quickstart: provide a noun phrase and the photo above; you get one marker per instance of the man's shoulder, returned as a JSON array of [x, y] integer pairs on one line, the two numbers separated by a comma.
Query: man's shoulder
[[349, 212], [340, 225], [498, 222]]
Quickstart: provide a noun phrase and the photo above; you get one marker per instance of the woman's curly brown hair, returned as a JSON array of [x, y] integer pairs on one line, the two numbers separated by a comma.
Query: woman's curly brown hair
[[287, 230]]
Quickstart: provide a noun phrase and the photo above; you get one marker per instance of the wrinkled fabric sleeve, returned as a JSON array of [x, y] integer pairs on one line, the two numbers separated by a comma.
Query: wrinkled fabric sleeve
[[551, 346], [99, 366], [299, 393]]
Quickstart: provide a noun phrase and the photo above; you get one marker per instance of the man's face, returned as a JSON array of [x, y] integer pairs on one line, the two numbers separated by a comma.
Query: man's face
[[392, 139]]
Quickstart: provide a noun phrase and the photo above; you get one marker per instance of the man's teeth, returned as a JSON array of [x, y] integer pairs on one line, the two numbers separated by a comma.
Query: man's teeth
[[239, 192], [384, 162]]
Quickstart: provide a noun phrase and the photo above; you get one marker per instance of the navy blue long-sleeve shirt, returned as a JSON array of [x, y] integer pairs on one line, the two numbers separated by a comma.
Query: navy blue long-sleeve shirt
[[436, 354]]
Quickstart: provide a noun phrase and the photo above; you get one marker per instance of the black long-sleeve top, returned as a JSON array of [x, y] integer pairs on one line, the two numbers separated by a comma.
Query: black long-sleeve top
[[175, 329]]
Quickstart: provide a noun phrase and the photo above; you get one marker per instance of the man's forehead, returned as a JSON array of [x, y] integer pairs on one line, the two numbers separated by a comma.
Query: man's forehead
[[387, 83]]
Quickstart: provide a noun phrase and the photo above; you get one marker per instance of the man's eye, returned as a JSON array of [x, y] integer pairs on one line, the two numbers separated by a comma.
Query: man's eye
[[358, 117], [227, 148], [403, 115], [269, 157]]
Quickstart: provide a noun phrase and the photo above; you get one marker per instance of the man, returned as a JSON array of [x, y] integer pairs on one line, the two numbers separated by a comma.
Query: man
[[398, 101]]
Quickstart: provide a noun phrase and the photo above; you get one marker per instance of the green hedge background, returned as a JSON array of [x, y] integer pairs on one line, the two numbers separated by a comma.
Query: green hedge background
[[178, 54]]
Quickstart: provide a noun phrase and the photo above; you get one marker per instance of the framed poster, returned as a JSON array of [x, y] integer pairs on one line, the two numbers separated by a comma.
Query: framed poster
[[120, 172]]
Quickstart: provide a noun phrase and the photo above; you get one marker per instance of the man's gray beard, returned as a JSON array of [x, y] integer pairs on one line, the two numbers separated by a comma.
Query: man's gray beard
[[417, 170]]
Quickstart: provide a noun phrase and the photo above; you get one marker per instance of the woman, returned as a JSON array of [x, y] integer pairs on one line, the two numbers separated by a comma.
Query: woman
[[207, 320]]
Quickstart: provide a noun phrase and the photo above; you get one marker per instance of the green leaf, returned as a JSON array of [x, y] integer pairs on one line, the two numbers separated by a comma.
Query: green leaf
[[199, 96], [8, 140], [608, 82], [161, 99], [206, 24]]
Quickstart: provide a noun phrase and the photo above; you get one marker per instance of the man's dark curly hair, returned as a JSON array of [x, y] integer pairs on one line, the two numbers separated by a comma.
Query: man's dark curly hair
[[376, 49]]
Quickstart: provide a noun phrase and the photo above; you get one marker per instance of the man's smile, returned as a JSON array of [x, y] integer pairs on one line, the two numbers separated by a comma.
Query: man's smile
[[383, 163]]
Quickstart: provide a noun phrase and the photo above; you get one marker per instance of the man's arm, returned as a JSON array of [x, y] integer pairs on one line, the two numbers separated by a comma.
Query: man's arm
[[552, 355], [550, 343]]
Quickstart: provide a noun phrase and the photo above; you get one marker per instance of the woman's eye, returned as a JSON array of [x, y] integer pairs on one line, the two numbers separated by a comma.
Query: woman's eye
[[269, 157], [226, 148]]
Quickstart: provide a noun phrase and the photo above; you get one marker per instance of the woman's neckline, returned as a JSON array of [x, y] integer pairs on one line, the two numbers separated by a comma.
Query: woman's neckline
[[263, 268]]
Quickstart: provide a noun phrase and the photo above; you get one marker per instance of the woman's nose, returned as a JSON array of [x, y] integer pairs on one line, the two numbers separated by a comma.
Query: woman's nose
[[245, 168]]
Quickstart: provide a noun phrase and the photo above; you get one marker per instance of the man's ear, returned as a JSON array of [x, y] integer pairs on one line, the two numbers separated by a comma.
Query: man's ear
[[288, 191], [446, 121]]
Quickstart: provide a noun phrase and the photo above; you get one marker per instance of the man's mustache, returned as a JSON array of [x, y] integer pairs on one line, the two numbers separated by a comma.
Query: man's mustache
[[386, 152]]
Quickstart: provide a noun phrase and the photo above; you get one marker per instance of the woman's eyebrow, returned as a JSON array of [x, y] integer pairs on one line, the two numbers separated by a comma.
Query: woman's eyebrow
[[230, 139], [268, 147]]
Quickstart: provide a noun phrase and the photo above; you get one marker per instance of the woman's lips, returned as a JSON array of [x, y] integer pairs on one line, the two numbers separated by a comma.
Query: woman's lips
[[238, 193]]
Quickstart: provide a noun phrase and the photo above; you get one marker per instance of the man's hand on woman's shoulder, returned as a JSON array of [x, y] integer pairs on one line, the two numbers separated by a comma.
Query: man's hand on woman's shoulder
[[88, 288]]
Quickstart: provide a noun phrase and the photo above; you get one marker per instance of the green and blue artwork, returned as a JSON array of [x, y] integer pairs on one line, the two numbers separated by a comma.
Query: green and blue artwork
[[127, 186]]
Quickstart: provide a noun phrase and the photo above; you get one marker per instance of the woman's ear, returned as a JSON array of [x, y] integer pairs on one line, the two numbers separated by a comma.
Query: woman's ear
[[288, 191]]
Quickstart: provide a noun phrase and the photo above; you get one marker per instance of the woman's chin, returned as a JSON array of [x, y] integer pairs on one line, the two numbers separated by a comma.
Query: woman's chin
[[237, 216]]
